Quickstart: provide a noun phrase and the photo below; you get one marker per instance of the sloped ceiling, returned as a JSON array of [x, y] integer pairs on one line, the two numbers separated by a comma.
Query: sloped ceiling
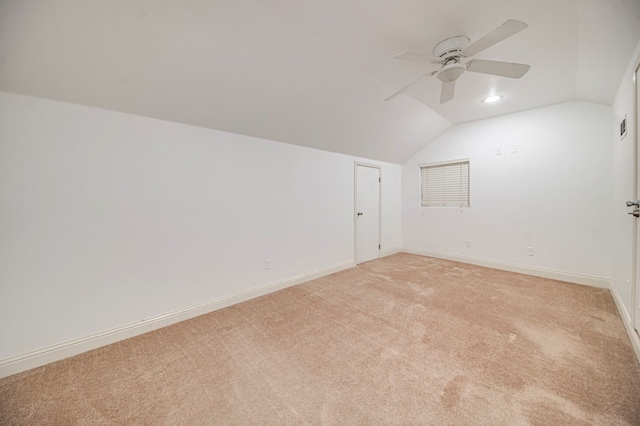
[[309, 73]]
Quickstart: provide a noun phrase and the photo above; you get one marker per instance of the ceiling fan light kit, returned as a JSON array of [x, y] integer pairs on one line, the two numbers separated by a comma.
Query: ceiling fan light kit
[[450, 52], [451, 72]]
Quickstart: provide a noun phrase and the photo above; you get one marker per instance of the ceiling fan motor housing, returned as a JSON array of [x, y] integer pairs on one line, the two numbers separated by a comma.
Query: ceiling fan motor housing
[[449, 51], [451, 46]]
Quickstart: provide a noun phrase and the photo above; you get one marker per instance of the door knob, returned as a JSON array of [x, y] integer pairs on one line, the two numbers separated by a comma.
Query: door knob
[[359, 213]]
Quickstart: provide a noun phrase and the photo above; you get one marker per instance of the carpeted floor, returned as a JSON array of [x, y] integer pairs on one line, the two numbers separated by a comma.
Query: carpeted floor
[[400, 340]]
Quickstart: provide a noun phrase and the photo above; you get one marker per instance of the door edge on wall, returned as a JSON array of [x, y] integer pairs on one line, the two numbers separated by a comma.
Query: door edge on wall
[[635, 291]]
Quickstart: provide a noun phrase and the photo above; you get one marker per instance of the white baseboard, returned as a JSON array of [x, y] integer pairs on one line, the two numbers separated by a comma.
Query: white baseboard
[[389, 252], [626, 319], [37, 358], [589, 280]]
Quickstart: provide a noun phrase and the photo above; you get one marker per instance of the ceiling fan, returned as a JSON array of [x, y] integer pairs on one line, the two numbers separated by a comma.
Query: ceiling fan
[[449, 54]]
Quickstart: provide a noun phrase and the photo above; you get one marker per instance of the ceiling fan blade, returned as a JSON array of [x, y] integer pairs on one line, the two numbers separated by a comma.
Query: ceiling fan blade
[[405, 88], [509, 28], [411, 56], [446, 94], [502, 69]]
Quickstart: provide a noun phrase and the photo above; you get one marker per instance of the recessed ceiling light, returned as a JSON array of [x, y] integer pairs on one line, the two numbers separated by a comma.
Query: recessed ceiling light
[[491, 99]]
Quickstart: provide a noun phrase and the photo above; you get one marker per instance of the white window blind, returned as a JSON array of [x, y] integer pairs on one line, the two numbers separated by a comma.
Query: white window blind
[[445, 185]]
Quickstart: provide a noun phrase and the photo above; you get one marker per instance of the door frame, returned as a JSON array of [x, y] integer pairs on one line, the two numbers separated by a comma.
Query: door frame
[[357, 164]]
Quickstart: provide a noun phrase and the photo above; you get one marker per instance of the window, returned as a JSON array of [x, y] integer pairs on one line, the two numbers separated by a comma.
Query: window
[[445, 184]]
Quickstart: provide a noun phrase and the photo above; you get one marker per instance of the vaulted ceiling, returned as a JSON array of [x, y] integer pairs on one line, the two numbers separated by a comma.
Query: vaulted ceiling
[[312, 73]]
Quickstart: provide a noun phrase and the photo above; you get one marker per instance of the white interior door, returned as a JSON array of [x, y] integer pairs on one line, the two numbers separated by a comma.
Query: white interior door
[[636, 134], [367, 213]]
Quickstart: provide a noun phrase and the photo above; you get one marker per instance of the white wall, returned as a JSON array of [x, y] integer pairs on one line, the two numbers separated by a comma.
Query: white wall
[[108, 219], [553, 194], [622, 166]]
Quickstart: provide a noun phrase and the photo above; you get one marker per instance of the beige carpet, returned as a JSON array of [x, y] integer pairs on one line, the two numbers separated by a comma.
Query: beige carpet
[[400, 340]]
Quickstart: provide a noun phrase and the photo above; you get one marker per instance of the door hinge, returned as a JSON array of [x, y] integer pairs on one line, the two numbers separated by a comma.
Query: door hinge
[[379, 179], [378, 246]]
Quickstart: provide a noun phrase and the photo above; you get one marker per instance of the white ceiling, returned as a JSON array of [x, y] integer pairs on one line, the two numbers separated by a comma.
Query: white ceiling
[[312, 73]]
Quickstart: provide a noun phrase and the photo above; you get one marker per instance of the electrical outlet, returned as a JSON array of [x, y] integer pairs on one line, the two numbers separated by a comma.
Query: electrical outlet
[[468, 243], [530, 251], [267, 264]]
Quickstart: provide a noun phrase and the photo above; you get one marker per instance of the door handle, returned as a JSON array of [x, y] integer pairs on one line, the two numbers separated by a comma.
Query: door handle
[[635, 213]]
